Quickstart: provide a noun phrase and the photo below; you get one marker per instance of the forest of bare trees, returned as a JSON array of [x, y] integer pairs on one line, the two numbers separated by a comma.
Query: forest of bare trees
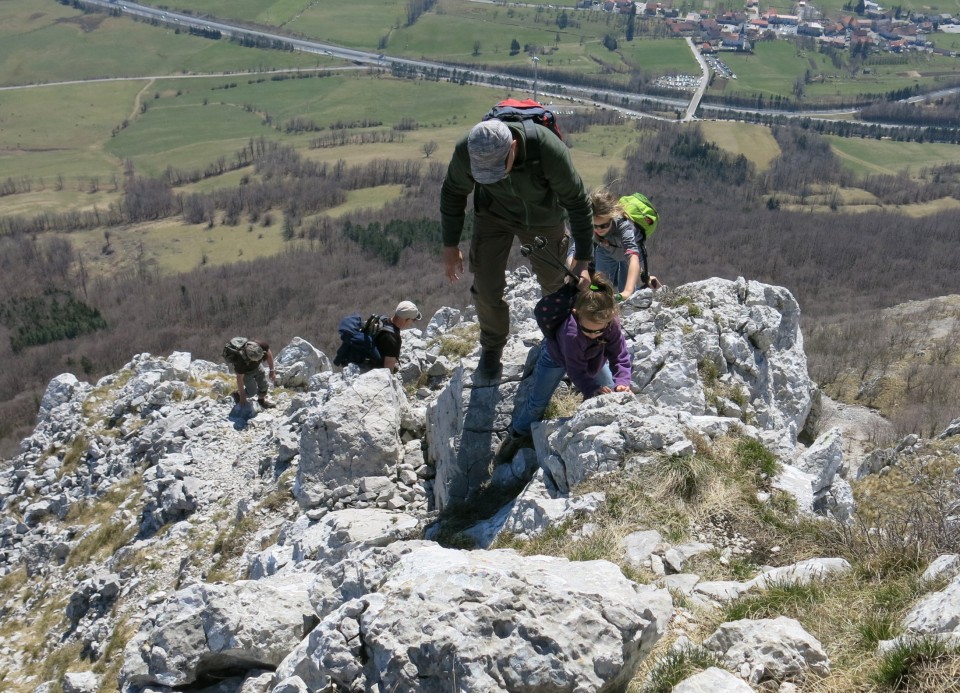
[[715, 222]]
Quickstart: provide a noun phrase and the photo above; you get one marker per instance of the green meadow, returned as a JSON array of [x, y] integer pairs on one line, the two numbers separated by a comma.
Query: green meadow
[[944, 40], [753, 141], [51, 131], [473, 33], [867, 156], [56, 44]]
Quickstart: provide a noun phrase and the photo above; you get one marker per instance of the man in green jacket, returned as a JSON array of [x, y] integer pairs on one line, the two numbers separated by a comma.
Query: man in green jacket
[[520, 189]]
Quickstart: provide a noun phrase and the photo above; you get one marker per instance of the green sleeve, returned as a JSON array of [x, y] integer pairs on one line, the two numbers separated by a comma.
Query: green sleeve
[[457, 186], [566, 183]]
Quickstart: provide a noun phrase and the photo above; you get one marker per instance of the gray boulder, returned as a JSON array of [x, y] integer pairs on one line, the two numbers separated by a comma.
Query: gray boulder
[[603, 432], [532, 512], [493, 620], [298, 362], [80, 682], [947, 565], [822, 459], [769, 649], [801, 573], [62, 389], [353, 433], [712, 680], [208, 629], [937, 613]]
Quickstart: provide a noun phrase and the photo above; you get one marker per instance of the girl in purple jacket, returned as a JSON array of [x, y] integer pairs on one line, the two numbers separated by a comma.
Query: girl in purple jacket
[[588, 347]]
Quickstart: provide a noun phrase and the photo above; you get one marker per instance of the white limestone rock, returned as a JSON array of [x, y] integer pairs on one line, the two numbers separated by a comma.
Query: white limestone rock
[[822, 459], [765, 649], [947, 565], [638, 546], [712, 680], [515, 623], [205, 629], [533, 511], [353, 433], [62, 389], [800, 573], [298, 362], [936, 613]]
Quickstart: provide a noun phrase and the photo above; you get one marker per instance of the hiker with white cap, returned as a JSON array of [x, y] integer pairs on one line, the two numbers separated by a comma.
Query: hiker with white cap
[[524, 185], [388, 340], [374, 343]]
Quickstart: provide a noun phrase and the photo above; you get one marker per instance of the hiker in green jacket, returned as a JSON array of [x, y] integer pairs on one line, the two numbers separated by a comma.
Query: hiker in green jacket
[[520, 189]]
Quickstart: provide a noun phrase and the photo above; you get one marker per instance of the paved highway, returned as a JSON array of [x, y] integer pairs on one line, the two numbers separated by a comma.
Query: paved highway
[[580, 94]]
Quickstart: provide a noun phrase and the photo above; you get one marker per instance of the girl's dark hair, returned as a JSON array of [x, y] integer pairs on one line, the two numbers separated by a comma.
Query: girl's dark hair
[[598, 303]]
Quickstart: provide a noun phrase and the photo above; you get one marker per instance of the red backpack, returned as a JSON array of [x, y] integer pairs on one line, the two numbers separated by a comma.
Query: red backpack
[[527, 112], [514, 111]]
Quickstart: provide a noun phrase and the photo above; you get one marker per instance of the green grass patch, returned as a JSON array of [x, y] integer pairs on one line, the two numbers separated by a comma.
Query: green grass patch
[[685, 477], [753, 141], [459, 342], [887, 157], [786, 599], [58, 43], [755, 458], [675, 666], [42, 138], [109, 534], [74, 456], [924, 664]]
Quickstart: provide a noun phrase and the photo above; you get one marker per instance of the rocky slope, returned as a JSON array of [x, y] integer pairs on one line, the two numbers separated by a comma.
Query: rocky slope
[[156, 537]]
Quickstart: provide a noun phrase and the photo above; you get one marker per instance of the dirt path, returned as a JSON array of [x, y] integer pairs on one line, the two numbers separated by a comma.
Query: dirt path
[[138, 99]]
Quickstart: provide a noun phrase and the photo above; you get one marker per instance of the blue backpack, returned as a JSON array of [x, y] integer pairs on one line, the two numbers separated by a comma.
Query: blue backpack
[[358, 340]]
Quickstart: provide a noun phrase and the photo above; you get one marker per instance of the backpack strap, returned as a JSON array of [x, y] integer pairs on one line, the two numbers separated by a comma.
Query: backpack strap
[[531, 145], [645, 270]]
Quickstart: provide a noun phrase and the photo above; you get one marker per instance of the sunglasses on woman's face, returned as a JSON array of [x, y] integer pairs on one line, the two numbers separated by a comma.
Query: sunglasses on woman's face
[[601, 227]]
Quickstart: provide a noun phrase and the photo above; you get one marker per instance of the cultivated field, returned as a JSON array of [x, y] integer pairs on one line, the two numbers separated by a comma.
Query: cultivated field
[[76, 156], [44, 41], [774, 67], [865, 156]]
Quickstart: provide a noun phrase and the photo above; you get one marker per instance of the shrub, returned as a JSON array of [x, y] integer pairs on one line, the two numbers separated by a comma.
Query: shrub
[[754, 457], [684, 476]]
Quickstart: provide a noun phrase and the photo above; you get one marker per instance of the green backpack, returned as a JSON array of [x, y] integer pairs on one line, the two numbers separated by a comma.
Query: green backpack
[[641, 212], [243, 354]]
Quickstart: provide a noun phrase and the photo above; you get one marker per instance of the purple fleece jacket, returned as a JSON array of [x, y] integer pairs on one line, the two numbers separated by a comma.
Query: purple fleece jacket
[[584, 357]]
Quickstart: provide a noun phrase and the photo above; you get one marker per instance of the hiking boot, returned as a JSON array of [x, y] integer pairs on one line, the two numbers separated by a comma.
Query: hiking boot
[[266, 403], [489, 366], [510, 446]]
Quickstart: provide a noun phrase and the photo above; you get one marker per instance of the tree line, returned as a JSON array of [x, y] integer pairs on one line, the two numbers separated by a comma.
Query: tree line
[[715, 222]]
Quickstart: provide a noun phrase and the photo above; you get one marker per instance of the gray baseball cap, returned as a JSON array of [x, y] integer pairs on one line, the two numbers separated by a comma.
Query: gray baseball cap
[[489, 143], [407, 310]]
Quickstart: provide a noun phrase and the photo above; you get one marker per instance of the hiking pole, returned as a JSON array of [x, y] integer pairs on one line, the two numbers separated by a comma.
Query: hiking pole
[[540, 243]]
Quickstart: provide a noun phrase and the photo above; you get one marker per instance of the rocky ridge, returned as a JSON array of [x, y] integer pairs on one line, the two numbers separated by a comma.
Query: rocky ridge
[[171, 540]]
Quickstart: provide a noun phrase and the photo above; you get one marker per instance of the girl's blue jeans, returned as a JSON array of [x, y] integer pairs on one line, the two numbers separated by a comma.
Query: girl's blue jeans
[[546, 377], [615, 270]]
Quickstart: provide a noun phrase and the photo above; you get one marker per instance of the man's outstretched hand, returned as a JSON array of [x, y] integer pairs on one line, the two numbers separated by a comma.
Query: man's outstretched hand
[[452, 262]]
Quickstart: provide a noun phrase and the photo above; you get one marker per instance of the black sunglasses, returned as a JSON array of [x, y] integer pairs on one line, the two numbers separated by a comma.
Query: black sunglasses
[[588, 331], [603, 226]]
